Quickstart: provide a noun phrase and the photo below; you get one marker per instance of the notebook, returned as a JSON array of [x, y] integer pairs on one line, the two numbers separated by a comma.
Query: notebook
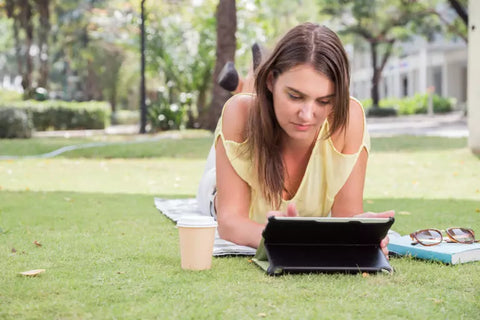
[[301, 244]]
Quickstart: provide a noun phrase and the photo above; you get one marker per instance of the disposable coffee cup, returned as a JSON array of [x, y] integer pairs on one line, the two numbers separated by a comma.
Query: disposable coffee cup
[[197, 235]]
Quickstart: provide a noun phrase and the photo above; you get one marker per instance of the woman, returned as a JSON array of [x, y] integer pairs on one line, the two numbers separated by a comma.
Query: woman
[[298, 147]]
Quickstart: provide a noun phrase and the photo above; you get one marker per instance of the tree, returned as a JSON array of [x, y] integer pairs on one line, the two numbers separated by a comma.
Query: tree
[[21, 12], [43, 9], [226, 44], [458, 26], [380, 24], [143, 107], [180, 55]]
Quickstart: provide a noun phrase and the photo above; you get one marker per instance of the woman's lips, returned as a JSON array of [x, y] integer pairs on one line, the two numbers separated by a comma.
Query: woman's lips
[[301, 126]]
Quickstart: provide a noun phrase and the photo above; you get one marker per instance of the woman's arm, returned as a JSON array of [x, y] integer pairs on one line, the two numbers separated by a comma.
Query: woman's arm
[[232, 201], [349, 200]]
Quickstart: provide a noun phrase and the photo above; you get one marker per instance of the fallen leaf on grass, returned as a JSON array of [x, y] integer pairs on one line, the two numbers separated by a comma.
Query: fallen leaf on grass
[[477, 210], [369, 201], [262, 314], [435, 300], [38, 244], [405, 213], [32, 273], [14, 250], [365, 275], [120, 272]]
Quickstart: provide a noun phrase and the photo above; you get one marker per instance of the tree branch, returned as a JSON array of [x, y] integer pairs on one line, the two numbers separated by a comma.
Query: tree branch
[[462, 13]]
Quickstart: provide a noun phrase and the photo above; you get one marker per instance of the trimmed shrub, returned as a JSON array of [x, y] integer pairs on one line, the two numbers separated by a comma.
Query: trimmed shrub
[[62, 115], [15, 123], [381, 112], [412, 105]]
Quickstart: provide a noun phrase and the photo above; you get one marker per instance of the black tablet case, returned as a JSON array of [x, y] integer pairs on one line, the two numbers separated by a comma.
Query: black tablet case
[[313, 245]]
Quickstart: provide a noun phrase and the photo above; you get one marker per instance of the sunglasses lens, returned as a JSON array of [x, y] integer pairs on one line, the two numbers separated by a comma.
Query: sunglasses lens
[[429, 237], [461, 235]]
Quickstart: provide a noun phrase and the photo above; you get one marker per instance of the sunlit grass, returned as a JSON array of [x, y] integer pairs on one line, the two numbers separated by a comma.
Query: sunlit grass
[[108, 253]]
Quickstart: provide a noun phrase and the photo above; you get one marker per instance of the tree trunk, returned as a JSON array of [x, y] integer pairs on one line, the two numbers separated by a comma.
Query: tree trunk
[[26, 24], [143, 106], [11, 14], [375, 77], [378, 68], [44, 11], [226, 44]]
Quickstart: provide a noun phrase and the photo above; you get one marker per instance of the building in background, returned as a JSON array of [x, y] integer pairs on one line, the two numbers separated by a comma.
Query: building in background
[[439, 65]]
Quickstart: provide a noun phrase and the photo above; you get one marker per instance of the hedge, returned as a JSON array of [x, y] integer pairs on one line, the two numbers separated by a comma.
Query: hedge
[[15, 123], [414, 105], [63, 115]]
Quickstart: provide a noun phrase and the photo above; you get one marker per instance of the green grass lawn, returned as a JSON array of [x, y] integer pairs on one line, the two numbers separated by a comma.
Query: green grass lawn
[[108, 253]]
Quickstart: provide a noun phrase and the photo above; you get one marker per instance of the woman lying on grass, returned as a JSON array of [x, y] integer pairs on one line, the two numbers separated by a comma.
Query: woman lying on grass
[[297, 147]]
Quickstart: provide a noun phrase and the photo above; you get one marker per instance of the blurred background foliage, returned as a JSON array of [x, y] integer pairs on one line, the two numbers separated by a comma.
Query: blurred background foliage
[[84, 50]]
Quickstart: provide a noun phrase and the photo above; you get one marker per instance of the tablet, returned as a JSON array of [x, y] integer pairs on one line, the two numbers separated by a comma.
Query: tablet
[[309, 244]]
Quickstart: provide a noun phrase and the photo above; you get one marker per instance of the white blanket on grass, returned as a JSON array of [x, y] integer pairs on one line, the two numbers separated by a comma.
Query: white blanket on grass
[[175, 208]]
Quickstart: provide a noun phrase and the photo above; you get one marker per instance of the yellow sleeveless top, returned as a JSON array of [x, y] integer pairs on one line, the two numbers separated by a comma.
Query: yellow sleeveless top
[[327, 171]]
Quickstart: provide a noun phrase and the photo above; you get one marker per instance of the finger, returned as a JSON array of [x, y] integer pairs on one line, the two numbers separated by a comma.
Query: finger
[[385, 242], [275, 214], [385, 214], [385, 252], [292, 210]]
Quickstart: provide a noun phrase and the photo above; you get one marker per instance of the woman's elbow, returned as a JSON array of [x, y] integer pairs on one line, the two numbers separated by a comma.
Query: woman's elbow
[[226, 229]]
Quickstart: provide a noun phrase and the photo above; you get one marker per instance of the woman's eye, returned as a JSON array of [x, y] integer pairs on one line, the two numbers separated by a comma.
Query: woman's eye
[[324, 103], [294, 97]]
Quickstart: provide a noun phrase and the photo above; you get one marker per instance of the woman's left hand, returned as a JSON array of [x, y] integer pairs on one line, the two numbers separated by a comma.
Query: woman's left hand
[[385, 214]]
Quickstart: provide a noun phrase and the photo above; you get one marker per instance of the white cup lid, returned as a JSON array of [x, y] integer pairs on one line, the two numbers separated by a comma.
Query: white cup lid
[[195, 221]]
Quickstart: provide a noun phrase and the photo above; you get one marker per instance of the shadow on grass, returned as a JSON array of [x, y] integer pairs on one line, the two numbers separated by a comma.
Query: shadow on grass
[[416, 143]]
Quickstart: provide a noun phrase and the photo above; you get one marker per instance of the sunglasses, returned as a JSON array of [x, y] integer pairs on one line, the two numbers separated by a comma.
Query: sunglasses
[[431, 237]]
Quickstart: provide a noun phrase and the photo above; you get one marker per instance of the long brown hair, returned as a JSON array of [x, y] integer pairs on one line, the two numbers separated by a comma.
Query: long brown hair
[[307, 43]]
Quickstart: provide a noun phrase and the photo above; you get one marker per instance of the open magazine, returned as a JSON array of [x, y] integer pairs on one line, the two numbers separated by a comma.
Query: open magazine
[[446, 252]]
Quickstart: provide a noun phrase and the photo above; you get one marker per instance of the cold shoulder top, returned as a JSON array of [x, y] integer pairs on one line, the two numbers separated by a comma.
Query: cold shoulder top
[[327, 171]]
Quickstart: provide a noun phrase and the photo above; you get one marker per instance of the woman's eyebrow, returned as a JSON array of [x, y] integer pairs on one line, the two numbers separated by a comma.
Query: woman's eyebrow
[[302, 94]]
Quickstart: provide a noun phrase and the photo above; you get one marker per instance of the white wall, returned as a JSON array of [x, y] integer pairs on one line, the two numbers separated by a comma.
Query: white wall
[[474, 75]]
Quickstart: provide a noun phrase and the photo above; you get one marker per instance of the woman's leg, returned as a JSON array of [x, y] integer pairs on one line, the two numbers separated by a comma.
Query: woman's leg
[[207, 188]]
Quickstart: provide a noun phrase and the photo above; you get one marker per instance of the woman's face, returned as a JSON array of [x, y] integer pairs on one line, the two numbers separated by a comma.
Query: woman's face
[[302, 100]]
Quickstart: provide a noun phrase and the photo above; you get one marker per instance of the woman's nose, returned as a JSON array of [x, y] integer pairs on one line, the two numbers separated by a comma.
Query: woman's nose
[[306, 111]]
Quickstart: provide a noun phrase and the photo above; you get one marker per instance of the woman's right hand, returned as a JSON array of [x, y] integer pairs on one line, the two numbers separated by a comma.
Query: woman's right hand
[[291, 212]]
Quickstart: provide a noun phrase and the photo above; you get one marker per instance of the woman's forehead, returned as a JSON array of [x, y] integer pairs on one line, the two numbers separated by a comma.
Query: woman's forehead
[[305, 79]]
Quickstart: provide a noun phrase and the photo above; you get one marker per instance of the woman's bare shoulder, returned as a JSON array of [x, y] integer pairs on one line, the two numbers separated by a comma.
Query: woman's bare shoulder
[[348, 139], [235, 117], [355, 127]]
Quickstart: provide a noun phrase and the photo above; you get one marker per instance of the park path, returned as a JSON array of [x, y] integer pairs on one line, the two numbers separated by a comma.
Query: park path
[[452, 125]]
